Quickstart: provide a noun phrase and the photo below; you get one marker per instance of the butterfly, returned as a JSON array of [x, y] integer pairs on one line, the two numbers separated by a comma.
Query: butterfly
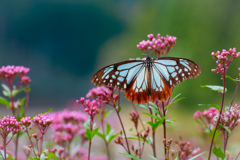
[[147, 80]]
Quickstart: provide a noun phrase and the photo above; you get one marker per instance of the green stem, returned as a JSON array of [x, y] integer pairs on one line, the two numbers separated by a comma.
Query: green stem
[[164, 132], [220, 113]]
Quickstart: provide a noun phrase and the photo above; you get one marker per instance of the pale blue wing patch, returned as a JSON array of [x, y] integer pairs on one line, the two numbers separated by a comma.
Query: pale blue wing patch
[[175, 70]]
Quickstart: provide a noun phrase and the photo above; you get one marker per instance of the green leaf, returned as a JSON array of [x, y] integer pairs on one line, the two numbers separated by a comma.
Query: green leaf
[[21, 108], [51, 155], [47, 111], [101, 136], [4, 101], [154, 158], [145, 105], [88, 134], [95, 131], [174, 100], [33, 158], [108, 128], [136, 138], [112, 137], [129, 156], [157, 123], [6, 90], [210, 105], [215, 88], [234, 80], [192, 158], [154, 109], [150, 115], [16, 91], [219, 153], [106, 113], [170, 121], [226, 128]]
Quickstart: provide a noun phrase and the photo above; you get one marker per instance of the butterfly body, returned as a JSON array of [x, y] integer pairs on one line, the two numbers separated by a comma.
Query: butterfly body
[[147, 80]]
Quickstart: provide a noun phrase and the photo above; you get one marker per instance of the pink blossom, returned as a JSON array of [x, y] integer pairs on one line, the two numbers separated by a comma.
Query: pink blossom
[[134, 117], [184, 150], [224, 59], [8, 73], [9, 125], [25, 80], [159, 45], [101, 94], [43, 122]]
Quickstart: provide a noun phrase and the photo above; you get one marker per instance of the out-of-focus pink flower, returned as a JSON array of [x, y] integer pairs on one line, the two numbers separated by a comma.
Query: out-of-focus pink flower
[[91, 107], [134, 117], [159, 45], [43, 122], [230, 117], [102, 94], [206, 117], [9, 125], [8, 73], [25, 80], [184, 150]]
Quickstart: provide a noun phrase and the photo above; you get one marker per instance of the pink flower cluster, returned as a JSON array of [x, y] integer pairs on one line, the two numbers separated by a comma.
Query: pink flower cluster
[[207, 116], [8, 73], [159, 45], [102, 94], [134, 117], [91, 107], [184, 150], [9, 125], [67, 124], [43, 122], [230, 118], [224, 59], [26, 121]]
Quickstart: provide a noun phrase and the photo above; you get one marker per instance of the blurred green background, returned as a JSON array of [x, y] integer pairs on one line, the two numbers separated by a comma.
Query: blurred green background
[[64, 42]]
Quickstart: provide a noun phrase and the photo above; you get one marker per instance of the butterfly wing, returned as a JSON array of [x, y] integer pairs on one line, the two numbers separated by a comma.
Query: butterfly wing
[[118, 75], [176, 70], [159, 86], [167, 72], [138, 90]]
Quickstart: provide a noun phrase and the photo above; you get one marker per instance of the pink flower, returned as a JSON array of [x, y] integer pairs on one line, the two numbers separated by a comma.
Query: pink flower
[[185, 150], [91, 107], [43, 122], [159, 45], [224, 59], [101, 94], [8, 73], [25, 80], [134, 117], [9, 125]]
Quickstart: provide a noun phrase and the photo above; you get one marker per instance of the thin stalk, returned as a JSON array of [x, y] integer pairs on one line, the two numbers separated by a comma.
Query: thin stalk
[[237, 156], [90, 141], [104, 133], [89, 148], [124, 132], [234, 94], [134, 107], [5, 147], [27, 101], [153, 136], [225, 141], [164, 131], [220, 112]]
